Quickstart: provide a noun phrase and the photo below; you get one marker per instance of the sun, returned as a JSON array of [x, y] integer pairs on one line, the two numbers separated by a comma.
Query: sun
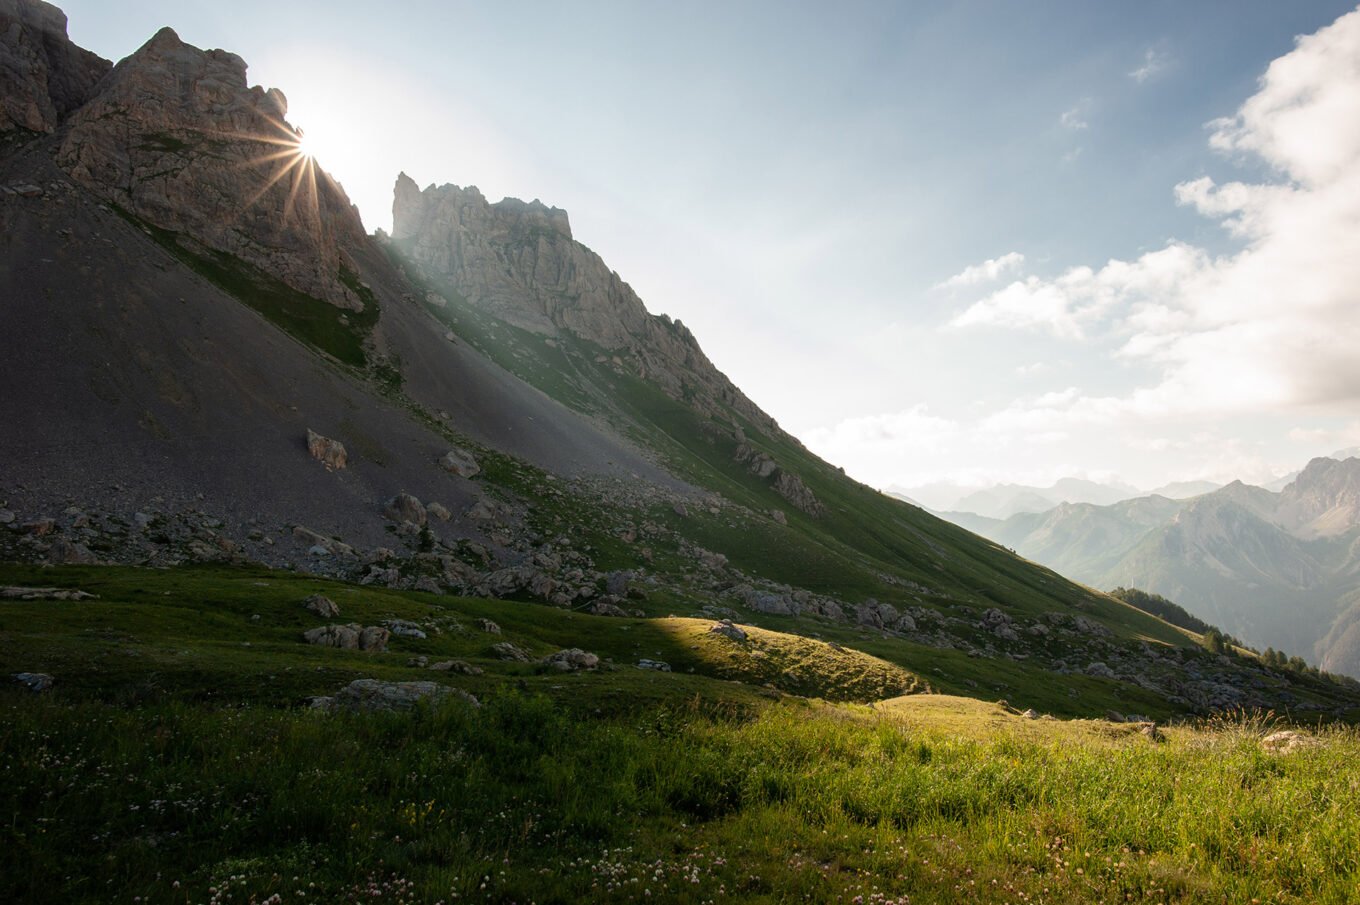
[[306, 147]]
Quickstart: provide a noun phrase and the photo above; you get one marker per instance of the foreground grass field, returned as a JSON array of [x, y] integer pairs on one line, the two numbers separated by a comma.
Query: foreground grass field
[[175, 760], [522, 801]]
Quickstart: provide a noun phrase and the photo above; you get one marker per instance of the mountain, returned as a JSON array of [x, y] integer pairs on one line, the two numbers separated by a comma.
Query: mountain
[[209, 362], [1183, 490], [1001, 501], [1277, 569]]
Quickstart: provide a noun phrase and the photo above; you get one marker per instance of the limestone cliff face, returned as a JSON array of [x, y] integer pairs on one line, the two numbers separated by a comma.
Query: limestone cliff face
[[519, 261], [43, 76], [176, 136]]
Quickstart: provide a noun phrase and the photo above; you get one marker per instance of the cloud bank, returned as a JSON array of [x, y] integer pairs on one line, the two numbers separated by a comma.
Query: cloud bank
[[1271, 327]]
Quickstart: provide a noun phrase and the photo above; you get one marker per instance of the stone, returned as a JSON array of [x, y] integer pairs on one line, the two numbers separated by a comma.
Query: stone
[[1099, 670], [461, 667], [349, 637], [405, 629], [571, 659], [507, 651], [439, 511], [1287, 740], [791, 487], [607, 608], [374, 638], [488, 626], [322, 605], [460, 462], [658, 665], [779, 516], [372, 695], [1030, 714], [1150, 732], [328, 452], [23, 593], [36, 681], [7, 516], [40, 527], [67, 552], [728, 630], [345, 637], [427, 584], [405, 509]]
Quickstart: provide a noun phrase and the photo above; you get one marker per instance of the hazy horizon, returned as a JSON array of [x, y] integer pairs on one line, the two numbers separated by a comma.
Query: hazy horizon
[[971, 242]]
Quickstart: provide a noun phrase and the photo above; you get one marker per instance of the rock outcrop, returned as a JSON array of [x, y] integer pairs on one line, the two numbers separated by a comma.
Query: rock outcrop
[[519, 261], [43, 76], [175, 136], [328, 452], [369, 695]]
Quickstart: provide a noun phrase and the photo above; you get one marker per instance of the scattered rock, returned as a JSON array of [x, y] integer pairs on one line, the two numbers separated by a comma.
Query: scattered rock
[[779, 516], [40, 527], [1286, 741], [572, 659], [374, 638], [7, 517], [439, 511], [1100, 671], [459, 666], [507, 651], [728, 630], [606, 608], [1152, 733], [349, 637], [1030, 714], [658, 665], [328, 452], [405, 629], [321, 605], [21, 593], [369, 695], [36, 681], [460, 462], [489, 627], [405, 509]]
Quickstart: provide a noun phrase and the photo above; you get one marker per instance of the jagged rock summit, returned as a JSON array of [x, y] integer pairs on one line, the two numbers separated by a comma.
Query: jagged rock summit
[[175, 135], [43, 76], [519, 261]]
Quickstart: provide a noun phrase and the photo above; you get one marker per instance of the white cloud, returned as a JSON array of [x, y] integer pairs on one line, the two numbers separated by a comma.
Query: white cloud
[[1154, 62], [1075, 118], [989, 270], [1273, 326]]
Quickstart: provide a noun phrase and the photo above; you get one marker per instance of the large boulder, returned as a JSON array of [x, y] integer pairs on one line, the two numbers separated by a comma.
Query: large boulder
[[349, 637], [405, 509], [572, 659], [328, 452], [370, 695], [322, 605], [460, 462]]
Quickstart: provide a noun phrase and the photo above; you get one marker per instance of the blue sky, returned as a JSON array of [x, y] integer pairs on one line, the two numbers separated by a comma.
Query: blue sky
[[799, 183]]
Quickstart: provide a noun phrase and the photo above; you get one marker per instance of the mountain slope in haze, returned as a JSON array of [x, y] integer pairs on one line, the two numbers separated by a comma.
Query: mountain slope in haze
[[1277, 569], [183, 309]]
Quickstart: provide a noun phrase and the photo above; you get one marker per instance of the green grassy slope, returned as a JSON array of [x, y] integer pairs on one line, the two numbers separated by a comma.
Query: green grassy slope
[[174, 760]]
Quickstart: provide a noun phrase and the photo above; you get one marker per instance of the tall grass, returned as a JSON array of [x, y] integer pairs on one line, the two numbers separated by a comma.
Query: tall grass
[[522, 801]]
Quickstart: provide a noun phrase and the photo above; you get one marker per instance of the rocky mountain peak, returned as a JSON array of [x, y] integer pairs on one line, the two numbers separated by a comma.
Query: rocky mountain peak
[[1324, 500], [43, 76], [177, 137], [519, 261]]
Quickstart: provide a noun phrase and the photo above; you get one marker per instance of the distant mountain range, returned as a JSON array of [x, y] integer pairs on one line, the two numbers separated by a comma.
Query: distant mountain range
[[1275, 568], [1001, 501]]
